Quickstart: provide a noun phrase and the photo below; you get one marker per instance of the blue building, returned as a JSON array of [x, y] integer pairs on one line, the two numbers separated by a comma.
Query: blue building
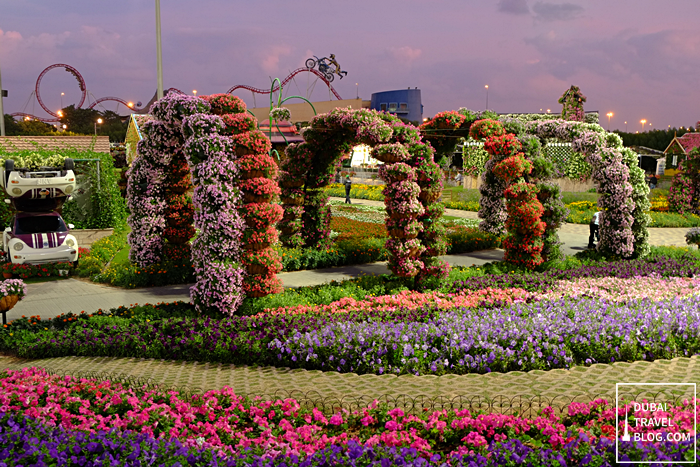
[[404, 103]]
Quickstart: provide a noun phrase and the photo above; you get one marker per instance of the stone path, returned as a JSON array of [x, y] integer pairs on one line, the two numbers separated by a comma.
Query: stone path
[[558, 386]]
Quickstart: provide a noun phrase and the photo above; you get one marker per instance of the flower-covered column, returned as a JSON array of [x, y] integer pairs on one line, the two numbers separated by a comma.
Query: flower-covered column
[[258, 183], [293, 167], [523, 245], [402, 209], [216, 251], [155, 178]]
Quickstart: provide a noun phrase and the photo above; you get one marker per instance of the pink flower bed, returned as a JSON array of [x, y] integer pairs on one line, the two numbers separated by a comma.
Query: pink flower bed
[[224, 420], [411, 300], [621, 290]]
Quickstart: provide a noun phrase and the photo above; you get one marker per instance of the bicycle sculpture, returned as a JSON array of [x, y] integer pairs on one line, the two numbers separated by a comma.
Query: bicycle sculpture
[[328, 66]]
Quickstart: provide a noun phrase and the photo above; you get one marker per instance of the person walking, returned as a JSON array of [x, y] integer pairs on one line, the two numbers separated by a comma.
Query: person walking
[[348, 186], [594, 228]]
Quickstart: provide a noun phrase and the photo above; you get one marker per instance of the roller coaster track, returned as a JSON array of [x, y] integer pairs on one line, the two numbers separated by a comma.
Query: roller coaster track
[[116, 99], [287, 80]]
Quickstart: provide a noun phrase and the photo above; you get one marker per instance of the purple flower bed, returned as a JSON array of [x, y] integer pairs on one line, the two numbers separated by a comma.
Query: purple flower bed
[[524, 336], [24, 441], [663, 266]]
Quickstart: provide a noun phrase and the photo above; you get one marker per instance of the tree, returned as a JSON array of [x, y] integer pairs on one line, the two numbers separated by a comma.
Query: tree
[[27, 127], [79, 120], [84, 120], [11, 127]]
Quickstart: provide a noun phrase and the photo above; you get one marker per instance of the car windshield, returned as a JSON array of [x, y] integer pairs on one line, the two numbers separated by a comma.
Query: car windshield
[[39, 224]]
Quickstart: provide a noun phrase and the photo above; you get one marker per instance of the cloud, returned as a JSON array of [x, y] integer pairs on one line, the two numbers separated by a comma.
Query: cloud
[[513, 7], [545, 11], [271, 61], [663, 56], [405, 54]]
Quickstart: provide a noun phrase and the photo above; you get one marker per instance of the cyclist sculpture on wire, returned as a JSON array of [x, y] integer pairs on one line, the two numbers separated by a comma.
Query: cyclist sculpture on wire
[[329, 66]]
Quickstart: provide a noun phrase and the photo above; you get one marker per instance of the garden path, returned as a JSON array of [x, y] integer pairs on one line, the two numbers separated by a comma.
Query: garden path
[[574, 236], [558, 386]]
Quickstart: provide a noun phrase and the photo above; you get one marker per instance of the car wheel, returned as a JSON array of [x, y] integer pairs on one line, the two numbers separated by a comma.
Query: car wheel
[[68, 164]]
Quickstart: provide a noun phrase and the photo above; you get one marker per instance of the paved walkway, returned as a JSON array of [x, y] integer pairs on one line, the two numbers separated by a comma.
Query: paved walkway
[[584, 383]]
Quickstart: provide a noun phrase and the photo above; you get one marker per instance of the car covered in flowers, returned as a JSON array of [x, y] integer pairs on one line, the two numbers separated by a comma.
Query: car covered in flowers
[[38, 234]]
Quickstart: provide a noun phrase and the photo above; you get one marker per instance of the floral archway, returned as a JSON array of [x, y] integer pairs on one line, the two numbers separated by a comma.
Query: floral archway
[[211, 142], [413, 185], [518, 198]]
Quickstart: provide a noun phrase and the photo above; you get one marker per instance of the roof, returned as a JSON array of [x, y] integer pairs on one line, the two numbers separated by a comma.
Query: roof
[[55, 143], [287, 132], [134, 135]]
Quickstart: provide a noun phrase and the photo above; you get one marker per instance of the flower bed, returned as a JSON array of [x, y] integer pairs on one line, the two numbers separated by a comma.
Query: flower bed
[[50, 417], [408, 333]]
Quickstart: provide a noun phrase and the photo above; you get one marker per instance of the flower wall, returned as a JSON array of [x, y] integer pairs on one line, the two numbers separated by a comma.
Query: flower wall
[[684, 195]]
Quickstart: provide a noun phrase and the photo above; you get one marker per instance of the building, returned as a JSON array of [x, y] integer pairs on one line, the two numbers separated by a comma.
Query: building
[[55, 143], [404, 103], [678, 149]]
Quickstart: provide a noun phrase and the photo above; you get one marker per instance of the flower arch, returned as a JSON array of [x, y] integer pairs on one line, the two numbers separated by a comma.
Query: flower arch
[[624, 195], [213, 141], [413, 184]]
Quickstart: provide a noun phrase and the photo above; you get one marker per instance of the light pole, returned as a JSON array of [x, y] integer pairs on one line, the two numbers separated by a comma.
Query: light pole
[[194, 91], [642, 121], [159, 52], [99, 120], [487, 96], [357, 86], [609, 114], [2, 113], [62, 94], [625, 127]]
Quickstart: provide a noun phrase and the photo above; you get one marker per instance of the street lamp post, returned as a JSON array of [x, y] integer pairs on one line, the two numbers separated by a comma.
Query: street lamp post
[[2, 113], [643, 121], [357, 86], [625, 127], [487, 96], [194, 91], [159, 52], [609, 114], [99, 120], [62, 94]]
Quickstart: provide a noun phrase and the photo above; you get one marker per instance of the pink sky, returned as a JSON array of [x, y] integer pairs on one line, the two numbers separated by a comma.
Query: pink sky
[[637, 58]]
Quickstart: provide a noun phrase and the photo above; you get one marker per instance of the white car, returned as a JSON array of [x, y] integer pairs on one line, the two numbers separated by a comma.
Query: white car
[[39, 238], [39, 184]]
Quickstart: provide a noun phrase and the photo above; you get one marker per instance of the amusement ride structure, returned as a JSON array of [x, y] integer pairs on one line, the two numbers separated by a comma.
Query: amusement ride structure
[[325, 73], [55, 117]]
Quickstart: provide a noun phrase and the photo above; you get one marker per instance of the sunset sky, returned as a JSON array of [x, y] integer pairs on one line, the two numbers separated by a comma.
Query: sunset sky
[[639, 59]]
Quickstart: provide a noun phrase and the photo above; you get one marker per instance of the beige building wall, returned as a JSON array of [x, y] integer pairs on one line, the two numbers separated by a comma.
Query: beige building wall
[[302, 112]]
